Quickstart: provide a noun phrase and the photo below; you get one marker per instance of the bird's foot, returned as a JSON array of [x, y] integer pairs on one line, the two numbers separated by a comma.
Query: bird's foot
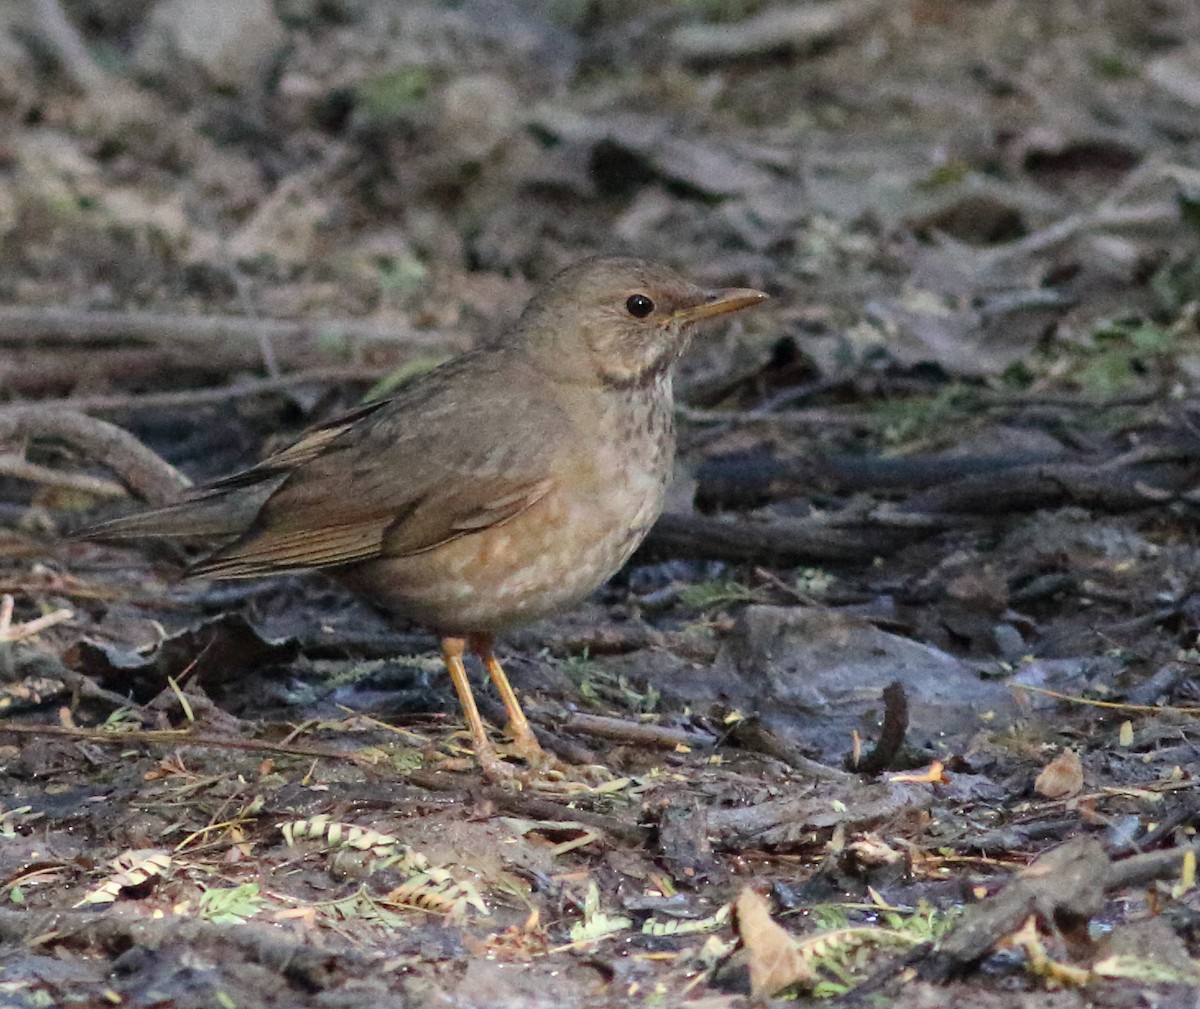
[[524, 744], [521, 761]]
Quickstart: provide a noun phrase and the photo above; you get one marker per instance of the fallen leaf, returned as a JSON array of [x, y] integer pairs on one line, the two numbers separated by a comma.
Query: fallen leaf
[[934, 774], [775, 962], [1060, 778]]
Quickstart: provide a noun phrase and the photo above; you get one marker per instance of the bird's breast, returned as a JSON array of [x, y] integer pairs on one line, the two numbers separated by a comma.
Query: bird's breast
[[606, 493]]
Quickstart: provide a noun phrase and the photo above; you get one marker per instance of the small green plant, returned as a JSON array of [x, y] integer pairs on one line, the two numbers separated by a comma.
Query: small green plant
[[400, 276], [843, 950], [596, 924], [714, 594], [231, 905], [427, 887], [599, 685], [814, 582], [904, 421], [391, 97], [1121, 353]]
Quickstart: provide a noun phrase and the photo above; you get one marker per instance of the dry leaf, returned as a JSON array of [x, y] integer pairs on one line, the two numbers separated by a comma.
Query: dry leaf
[[934, 774], [1060, 778], [775, 962]]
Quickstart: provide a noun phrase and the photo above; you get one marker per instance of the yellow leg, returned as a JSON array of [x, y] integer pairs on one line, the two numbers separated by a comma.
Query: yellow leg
[[525, 743], [492, 766]]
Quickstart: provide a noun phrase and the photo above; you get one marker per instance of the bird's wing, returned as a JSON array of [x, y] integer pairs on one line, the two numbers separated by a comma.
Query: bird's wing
[[404, 477]]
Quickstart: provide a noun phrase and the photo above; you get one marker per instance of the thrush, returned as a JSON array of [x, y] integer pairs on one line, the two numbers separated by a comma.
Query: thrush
[[499, 488]]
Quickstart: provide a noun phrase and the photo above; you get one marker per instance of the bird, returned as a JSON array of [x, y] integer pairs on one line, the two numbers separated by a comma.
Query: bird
[[499, 488]]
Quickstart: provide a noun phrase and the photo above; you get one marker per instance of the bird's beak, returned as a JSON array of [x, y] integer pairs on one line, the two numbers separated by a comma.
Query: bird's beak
[[729, 299]]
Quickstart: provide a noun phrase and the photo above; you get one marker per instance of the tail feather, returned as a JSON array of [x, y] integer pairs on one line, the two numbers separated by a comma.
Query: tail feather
[[208, 515]]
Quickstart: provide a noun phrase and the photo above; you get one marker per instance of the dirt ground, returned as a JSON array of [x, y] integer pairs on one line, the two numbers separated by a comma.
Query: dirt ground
[[899, 700]]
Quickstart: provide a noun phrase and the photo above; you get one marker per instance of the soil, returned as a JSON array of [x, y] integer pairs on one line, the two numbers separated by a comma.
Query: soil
[[922, 613]]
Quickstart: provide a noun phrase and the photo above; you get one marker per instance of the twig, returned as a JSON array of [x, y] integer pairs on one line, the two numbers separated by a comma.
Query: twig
[[532, 806], [1108, 486], [73, 57], [178, 737], [814, 417], [1158, 709], [20, 324], [784, 542], [787, 819], [641, 733], [891, 736], [187, 398], [145, 473], [748, 481], [20, 469], [19, 632], [784, 28], [1103, 217], [1065, 885]]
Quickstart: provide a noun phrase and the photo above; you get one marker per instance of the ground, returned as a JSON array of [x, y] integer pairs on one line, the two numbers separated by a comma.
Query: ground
[[922, 612]]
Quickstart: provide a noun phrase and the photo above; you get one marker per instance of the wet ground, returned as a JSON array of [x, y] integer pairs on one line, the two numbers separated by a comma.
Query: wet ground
[[922, 612]]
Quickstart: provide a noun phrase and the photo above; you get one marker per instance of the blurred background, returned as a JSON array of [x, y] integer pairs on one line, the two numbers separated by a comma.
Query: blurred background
[[1004, 189]]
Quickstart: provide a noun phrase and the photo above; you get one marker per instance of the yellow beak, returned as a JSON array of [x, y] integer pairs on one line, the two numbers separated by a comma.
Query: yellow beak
[[729, 299]]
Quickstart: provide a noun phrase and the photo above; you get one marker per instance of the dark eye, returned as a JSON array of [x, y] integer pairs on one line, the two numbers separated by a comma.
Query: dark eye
[[639, 306]]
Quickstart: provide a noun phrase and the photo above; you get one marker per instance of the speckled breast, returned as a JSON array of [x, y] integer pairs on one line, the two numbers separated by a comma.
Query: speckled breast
[[607, 493]]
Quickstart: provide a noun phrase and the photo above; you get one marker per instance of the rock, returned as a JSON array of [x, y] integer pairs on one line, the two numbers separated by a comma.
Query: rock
[[814, 675], [232, 42]]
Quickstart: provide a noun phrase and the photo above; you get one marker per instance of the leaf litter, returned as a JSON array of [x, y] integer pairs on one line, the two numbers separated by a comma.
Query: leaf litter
[[957, 454]]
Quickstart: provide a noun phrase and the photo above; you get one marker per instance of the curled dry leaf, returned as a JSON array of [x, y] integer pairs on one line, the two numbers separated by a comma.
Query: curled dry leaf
[[1060, 778], [775, 961]]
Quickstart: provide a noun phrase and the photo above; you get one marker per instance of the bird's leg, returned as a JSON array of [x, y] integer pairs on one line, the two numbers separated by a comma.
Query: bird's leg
[[525, 744], [490, 763]]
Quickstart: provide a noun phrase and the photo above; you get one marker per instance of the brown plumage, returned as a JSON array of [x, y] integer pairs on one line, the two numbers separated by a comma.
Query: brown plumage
[[501, 487]]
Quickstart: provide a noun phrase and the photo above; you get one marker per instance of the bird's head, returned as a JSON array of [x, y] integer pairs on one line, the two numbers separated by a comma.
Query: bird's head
[[620, 320]]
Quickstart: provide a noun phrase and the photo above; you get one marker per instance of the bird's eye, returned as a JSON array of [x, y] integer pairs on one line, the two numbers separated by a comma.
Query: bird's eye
[[639, 306]]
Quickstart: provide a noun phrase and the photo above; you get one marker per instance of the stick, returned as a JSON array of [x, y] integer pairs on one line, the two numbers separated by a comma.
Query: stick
[[141, 470], [190, 398], [784, 542], [19, 324]]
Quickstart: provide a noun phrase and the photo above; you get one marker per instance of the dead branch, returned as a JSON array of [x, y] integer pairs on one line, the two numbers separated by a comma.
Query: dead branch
[[640, 733], [1064, 888], [73, 57], [783, 542], [741, 482], [18, 468], [119, 930], [1064, 884], [150, 477], [220, 334], [215, 396], [1139, 480], [1106, 217], [179, 738], [786, 820], [1105, 486], [782, 29], [37, 373], [891, 735], [753, 735]]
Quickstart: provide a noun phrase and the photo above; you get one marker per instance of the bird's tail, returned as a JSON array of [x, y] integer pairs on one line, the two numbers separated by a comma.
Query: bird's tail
[[206, 515]]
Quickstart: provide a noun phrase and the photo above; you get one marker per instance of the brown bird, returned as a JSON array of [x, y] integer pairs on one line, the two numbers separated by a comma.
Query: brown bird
[[499, 488]]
